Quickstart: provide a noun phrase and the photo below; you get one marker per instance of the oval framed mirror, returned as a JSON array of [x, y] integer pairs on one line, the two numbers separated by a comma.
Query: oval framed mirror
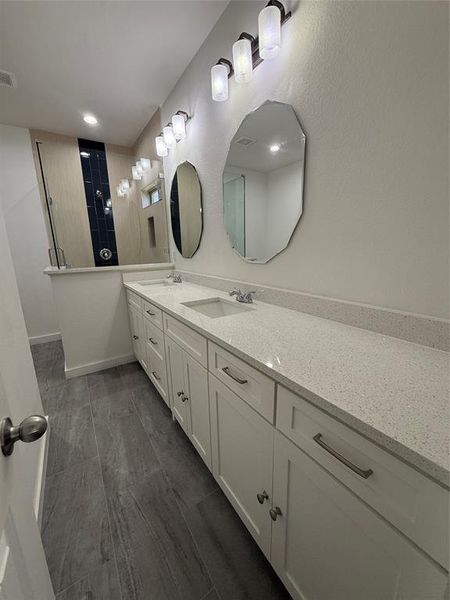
[[186, 209], [263, 182]]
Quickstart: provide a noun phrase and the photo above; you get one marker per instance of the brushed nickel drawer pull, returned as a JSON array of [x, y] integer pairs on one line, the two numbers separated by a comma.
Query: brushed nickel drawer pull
[[274, 512], [361, 472], [226, 370], [135, 337], [262, 496], [156, 376], [149, 312], [152, 341]]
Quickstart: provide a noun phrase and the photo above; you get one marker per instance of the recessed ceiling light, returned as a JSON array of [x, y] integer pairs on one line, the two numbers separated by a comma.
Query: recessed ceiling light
[[275, 147], [90, 119]]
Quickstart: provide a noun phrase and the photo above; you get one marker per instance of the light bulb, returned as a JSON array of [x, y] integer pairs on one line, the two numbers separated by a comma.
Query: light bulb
[[161, 148], [275, 147], [139, 168], [120, 192], [145, 163], [219, 83], [269, 26], [179, 127], [242, 61], [169, 137], [125, 184], [136, 175]]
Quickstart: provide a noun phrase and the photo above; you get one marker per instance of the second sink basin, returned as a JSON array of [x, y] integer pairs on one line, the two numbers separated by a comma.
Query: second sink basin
[[216, 307]]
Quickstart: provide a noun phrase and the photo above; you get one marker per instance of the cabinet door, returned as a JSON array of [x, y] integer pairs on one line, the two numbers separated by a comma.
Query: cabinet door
[[175, 369], [242, 457], [197, 404], [328, 545]]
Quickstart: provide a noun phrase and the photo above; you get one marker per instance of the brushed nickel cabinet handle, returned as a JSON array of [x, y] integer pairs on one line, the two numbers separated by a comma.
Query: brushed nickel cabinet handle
[[135, 337], [361, 472], [274, 512], [149, 312], [152, 341], [156, 376], [227, 371], [262, 496], [184, 398], [180, 393]]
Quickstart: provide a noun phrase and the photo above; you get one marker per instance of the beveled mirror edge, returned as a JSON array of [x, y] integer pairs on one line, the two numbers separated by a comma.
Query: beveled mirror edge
[[303, 136]]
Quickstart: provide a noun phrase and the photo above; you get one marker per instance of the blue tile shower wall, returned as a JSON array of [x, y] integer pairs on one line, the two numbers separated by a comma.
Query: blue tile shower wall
[[98, 200]]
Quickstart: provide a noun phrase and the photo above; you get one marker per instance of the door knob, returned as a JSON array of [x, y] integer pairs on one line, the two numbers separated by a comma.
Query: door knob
[[29, 430], [274, 512]]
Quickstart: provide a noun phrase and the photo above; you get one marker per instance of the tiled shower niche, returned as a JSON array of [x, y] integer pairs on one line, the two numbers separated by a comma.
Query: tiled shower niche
[[98, 201]]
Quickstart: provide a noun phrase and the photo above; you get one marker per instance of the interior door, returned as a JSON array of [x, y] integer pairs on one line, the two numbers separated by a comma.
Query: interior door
[[23, 569]]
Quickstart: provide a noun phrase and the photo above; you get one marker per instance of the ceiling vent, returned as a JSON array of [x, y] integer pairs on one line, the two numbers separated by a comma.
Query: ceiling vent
[[245, 141], [8, 79]]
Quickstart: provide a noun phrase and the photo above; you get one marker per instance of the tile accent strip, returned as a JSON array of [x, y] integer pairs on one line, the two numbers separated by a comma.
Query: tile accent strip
[[419, 329]]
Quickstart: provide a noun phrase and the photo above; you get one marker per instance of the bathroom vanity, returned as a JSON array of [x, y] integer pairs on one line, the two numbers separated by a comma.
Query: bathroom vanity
[[328, 440]]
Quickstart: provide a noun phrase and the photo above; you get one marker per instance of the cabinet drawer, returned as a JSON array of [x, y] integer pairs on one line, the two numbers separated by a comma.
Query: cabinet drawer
[[409, 500], [187, 338], [254, 387], [134, 300], [157, 373], [154, 338], [153, 314]]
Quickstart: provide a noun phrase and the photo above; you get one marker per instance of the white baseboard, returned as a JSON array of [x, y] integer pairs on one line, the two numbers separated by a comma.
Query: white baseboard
[[41, 472], [43, 339], [100, 365]]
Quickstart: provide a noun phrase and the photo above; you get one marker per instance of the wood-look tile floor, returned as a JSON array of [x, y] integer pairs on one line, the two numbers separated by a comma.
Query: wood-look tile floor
[[130, 511]]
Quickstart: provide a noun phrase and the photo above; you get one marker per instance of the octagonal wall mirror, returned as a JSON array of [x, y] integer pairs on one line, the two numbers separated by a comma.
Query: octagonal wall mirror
[[186, 209], [263, 182]]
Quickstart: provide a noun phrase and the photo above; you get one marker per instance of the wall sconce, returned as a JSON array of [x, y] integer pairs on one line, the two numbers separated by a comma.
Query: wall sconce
[[173, 132], [248, 51], [145, 163], [120, 192]]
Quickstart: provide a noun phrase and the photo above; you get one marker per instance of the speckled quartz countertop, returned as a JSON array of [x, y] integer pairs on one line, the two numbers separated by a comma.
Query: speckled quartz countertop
[[396, 393]]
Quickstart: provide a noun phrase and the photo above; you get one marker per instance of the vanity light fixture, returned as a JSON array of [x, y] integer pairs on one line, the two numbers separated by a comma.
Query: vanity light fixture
[[179, 121], [137, 176], [139, 168], [173, 132], [124, 185], [169, 136], [90, 119], [220, 73], [145, 163], [120, 192], [249, 52], [161, 148], [243, 58]]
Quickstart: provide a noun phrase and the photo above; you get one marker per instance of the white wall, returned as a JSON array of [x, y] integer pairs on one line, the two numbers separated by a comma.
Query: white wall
[[369, 82], [19, 196]]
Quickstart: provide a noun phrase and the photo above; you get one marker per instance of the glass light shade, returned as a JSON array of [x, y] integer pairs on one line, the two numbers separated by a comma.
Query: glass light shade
[[125, 184], [136, 175], [269, 26], [145, 163], [139, 168], [169, 137], [179, 127], [161, 148], [219, 83], [242, 61], [119, 191]]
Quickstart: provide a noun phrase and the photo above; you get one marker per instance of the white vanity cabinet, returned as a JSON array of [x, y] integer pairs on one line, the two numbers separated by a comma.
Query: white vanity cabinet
[[242, 452], [189, 391], [329, 545], [136, 330]]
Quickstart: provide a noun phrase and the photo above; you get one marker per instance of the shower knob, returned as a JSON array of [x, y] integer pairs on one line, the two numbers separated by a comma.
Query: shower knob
[[29, 430]]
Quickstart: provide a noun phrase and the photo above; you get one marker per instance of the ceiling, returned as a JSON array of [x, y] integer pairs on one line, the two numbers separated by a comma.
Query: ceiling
[[118, 60]]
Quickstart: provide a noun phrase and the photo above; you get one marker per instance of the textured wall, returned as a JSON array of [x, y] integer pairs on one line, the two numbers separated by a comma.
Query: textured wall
[[369, 82]]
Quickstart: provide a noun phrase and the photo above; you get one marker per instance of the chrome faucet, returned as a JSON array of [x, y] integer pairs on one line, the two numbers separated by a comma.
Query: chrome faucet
[[176, 277], [243, 296]]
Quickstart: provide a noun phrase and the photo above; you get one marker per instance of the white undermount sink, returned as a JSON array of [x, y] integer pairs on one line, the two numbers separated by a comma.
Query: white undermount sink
[[164, 282], [216, 307]]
